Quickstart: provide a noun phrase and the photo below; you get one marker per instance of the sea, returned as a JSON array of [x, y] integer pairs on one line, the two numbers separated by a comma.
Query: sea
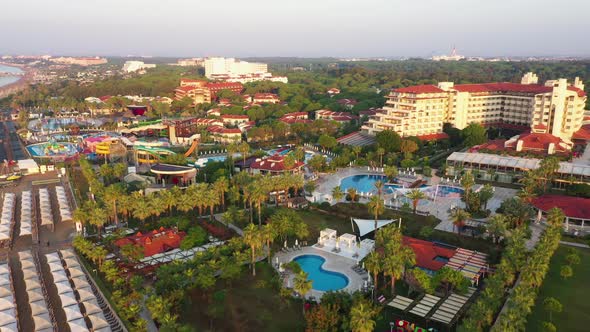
[[5, 80]]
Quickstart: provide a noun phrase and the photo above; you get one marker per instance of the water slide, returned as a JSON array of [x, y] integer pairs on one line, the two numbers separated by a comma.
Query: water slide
[[155, 152], [192, 148]]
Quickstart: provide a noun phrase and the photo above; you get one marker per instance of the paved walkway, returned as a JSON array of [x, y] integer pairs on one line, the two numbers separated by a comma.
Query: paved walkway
[[219, 217], [574, 244], [333, 262]]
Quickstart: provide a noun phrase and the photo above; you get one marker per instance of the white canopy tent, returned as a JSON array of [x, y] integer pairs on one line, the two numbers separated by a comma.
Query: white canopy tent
[[366, 226], [98, 321], [348, 240], [78, 325], [6, 303], [86, 294], [73, 312], [38, 308], [35, 295], [68, 299], [10, 327]]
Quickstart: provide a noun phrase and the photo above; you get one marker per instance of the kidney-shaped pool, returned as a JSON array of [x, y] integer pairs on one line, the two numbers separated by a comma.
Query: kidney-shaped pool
[[322, 280]]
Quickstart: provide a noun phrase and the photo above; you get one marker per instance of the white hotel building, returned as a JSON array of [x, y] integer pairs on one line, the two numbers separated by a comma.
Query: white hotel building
[[555, 108]]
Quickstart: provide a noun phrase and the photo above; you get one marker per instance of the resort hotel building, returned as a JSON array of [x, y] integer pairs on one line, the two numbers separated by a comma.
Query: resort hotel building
[[555, 108]]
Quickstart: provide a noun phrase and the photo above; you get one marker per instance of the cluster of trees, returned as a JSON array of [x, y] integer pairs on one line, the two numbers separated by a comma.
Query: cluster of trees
[[536, 182], [125, 292], [340, 311], [531, 268], [475, 201], [532, 274], [391, 258]]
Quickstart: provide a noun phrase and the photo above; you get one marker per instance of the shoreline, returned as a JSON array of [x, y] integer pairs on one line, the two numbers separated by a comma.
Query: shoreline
[[20, 84]]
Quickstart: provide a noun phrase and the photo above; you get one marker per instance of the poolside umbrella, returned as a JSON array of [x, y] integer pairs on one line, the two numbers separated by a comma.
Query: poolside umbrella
[[296, 242], [73, 313], [42, 322], [363, 265], [285, 244], [78, 325], [277, 260], [98, 321], [6, 303]]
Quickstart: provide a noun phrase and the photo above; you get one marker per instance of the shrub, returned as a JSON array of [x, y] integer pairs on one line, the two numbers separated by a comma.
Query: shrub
[[293, 266], [196, 236]]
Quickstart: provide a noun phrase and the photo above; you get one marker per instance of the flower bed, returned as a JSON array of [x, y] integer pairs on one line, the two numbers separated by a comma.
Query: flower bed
[[216, 230]]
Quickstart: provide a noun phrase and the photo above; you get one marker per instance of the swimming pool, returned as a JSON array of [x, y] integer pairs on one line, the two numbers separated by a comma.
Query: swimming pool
[[366, 183], [448, 191], [322, 280], [53, 149]]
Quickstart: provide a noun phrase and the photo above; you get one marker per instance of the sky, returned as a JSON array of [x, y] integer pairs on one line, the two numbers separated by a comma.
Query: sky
[[302, 28]]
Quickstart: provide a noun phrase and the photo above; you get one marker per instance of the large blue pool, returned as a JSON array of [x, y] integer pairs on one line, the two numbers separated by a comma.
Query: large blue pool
[[322, 280], [366, 183], [448, 191]]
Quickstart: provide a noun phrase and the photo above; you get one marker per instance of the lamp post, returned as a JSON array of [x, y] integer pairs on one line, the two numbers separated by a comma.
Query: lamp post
[[391, 325]]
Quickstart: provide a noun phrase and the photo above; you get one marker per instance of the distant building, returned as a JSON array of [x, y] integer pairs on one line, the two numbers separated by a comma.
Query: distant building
[[80, 61], [192, 62], [266, 98], [234, 119], [225, 135], [134, 66], [348, 103], [203, 92], [555, 108], [275, 165], [233, 70], [452, 57], [231, 66], [333, 91], [343, 117], [295, 117]]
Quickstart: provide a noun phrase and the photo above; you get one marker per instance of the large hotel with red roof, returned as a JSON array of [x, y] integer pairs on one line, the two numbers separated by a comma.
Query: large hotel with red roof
[[555, 108]]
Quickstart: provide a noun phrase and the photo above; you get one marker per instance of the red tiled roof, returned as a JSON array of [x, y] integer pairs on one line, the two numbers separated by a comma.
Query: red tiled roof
[[105, 98], [222, 130], [583, 133], [540, 126], [539, 141], [274, 163], [418, 89], [186, 88], [294, 120], [573, 207], [155, 242], [426, 252], [433, 137], [235, 116], [494, 145]]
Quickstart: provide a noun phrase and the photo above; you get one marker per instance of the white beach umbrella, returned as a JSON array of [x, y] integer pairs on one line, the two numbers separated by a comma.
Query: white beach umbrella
[[78, 325], [42, 321], [73, 313]]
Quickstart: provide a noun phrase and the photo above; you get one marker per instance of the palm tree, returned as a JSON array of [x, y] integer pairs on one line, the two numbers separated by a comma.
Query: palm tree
[[269, 234], [211, 200], [380, 153], [185, 202], [497, 227], [485, 194], [221, 186], [394, 268], [373, 263], [391, 172], [337, 193], [170, 198], [258, 195], [141, 209], [376, 206], [301, 286], [97, 217], [352, 194], [415, 195], [356, 150], [459, 217], [361, 317], [156, 205], [244, 148], [253, 238], [467, 181], [379, 186]]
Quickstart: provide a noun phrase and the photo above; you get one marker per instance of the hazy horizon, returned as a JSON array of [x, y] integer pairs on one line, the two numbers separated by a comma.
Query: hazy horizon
[[265, 28]]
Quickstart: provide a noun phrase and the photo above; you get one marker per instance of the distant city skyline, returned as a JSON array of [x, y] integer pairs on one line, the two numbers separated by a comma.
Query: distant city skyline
[[304, 28]]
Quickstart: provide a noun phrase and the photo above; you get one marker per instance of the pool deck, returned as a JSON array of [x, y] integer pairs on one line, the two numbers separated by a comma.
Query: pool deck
[[439, 208], [334, 263]]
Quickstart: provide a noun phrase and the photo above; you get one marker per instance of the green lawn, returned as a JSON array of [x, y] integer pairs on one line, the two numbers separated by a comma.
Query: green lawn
[[250, 304], [572, 293]]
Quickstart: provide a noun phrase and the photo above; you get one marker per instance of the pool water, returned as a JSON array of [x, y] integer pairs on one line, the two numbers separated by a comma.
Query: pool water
[[59, 149], [366, 183], [322, 280], [447, 191]]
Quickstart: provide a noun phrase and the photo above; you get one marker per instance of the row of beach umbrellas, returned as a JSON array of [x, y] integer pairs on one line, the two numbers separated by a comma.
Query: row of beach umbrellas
[[26, 213], [64, 207], [7, 215], [45, 207], [37, 303]]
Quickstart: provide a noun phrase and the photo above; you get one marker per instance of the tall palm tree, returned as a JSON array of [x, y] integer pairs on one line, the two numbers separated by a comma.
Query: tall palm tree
[[301, 286], [352, 194], [269, 234], [391, 172], [141, 209], [374, 265], [244, 149], [376, 206], [380, 153], [361, 317], [97, 217], [253, 238], [337, 193], [379, 186], [211, 200], [415, 195], [394, 268], [356, 150], [221, 186], [459, 217], [156, 205], [258, 195], [497, 227], [185, 202], [170, 198]]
